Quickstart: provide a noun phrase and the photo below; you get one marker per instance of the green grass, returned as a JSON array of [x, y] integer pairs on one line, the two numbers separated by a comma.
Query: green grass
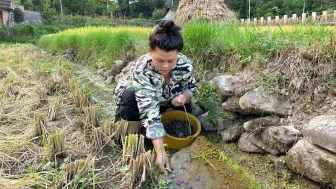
[[27, 33], [205, 40], [94, 43]]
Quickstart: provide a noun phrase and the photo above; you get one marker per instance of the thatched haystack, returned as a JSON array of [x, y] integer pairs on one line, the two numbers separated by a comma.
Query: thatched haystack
[[202, 9]]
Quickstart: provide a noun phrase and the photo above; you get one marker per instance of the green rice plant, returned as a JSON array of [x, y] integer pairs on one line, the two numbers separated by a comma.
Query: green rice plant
[[116, 130], [94, 43], [91, 120], [55, 146], [92, 116], [75, 172], [133, 146], [81, 97]]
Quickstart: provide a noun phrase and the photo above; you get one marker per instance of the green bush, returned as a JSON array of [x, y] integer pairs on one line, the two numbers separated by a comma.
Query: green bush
[[158, 13], [28, 5], [27, 33], [18, 15]]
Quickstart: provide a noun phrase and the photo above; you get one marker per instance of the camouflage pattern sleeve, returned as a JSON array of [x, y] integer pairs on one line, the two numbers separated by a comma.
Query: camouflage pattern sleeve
[[148, 105], [189, 80]]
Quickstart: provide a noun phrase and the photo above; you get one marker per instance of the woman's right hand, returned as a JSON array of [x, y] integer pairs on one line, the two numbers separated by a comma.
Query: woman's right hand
[[162, 160]]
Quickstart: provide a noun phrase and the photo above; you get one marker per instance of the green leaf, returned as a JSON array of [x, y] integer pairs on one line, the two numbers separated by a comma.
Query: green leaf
[[81, 180], [124, 168]]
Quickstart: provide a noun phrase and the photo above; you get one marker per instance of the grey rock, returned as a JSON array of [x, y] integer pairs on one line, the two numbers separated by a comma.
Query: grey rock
[[207, 125], [245, 145], [209, 75], [108, 73], [128, 67], [196, 110], [232, 133], [261, 123], [101, 71], [276, 140], [321, 131], [232, 105], [117, 78], [224, 85], [312, 162], [100, 65], [259, 101], [117, 67], [109, 80]]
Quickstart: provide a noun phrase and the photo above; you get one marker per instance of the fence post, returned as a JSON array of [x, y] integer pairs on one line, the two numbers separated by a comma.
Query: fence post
[[304, 16], [294, 18], [285, 19], [277, 18], [325, 16], [262, 21], [269, 19], [314, 16], [242, 21], [255, 22]]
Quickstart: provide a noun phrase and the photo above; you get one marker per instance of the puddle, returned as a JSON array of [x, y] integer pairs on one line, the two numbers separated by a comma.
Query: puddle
[[202, 165]]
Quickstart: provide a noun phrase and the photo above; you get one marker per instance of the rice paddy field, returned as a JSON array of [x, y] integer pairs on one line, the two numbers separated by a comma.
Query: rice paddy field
[[53, 135]]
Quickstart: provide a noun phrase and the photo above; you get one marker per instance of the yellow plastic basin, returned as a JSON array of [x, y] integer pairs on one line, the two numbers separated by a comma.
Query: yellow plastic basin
[[176, 143]]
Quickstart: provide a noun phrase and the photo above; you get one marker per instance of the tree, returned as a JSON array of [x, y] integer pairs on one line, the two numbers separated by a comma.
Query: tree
[[23, 2], [18, 15], [28, 5], [158, 13], [37, 4], [48, 11]]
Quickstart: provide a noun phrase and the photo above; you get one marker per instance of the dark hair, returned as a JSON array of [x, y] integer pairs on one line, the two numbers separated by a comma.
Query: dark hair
[[167, 37]]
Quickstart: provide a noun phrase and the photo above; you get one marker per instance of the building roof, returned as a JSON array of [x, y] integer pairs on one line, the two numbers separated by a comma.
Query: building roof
[[6, 5]]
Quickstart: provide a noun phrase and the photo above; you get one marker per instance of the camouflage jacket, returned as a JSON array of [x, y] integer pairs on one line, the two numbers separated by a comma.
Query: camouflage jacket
[[152, 92]]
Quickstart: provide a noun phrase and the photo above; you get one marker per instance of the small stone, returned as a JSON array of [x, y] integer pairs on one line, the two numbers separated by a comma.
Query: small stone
[[261, 101], [109, 80], [321, 131], [196, 110], [225, 85], [101, 71], [261, 123], [108, 73], [232, 133], [245, 145], [312, 162]]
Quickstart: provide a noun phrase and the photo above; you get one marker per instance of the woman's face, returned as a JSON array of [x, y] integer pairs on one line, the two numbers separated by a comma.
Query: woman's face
[[163, 61]]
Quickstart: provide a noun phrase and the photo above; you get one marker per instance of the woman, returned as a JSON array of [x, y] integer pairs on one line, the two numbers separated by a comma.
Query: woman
[[157, 81]]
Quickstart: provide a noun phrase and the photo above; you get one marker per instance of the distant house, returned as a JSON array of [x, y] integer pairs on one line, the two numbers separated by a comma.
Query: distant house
[[6, 13]]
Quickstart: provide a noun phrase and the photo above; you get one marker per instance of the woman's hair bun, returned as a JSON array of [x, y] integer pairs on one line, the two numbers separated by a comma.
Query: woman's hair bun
[[166, 37], [166, 26]]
